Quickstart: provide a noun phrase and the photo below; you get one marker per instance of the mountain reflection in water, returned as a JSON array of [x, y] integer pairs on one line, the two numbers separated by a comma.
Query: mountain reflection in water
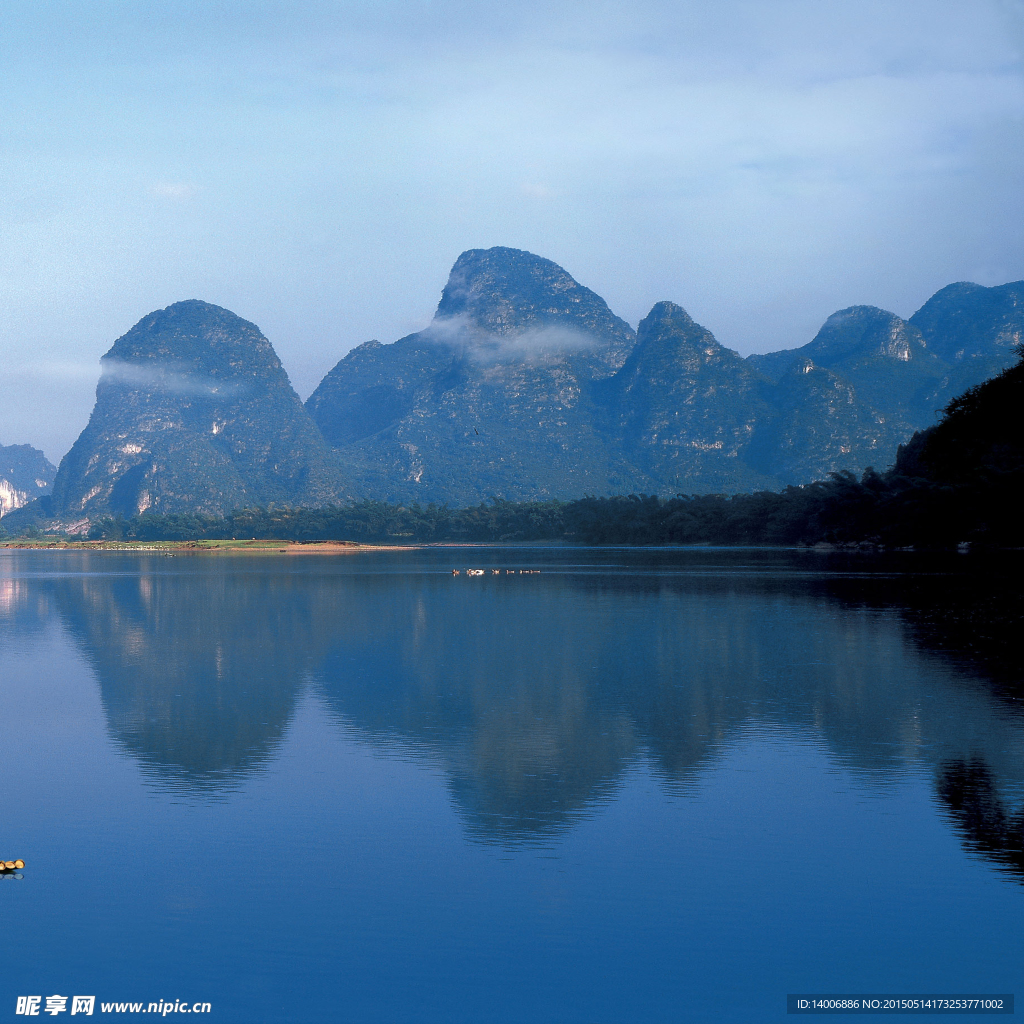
[[536, 694], [198, 672]]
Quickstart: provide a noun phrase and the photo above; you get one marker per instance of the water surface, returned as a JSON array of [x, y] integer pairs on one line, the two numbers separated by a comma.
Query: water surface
[[639, 785]]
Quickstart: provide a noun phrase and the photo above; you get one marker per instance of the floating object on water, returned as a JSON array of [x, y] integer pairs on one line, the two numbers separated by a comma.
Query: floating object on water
[[11, 865], [495, 572]]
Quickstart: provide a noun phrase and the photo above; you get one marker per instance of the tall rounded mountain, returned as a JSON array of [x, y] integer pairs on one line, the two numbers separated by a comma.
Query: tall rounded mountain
[[493, 398], [194, 413]]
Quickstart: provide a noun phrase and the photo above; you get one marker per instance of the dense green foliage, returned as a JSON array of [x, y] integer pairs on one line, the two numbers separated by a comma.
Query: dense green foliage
[[877, 509]]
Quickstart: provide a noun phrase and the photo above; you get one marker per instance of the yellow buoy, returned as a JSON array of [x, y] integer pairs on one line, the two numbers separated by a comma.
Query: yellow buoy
[[19, 864], [9, 864]]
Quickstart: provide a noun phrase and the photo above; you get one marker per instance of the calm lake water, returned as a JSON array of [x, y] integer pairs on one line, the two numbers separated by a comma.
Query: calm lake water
[[640, 785]]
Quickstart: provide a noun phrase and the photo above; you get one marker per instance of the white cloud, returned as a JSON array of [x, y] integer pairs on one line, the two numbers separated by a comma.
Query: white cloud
[[157, 375], [170, 377], [531, 346]]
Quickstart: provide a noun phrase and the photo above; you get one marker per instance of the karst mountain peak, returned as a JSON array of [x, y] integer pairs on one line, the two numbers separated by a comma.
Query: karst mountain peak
[[198, 337], [194, 413], [505, 291]]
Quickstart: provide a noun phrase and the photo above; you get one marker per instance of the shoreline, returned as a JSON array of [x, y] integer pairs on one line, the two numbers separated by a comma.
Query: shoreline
[[218, 547], [349, 547]]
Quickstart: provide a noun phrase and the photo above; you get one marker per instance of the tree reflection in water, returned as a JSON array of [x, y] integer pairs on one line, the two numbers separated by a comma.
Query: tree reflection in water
[[979, 813]]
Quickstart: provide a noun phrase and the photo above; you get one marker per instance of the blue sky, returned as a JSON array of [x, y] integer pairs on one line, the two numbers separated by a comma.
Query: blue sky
[[317, 167]]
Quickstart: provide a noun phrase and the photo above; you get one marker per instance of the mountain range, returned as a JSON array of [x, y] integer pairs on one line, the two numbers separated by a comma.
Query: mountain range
[[525, 385]]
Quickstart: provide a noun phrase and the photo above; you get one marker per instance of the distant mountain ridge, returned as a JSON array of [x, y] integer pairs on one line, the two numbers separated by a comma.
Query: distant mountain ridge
[[25, 474]]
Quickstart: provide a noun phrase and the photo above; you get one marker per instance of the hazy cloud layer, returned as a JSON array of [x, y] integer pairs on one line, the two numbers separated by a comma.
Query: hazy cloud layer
[[486, 348], [169, 377], [317, 167]]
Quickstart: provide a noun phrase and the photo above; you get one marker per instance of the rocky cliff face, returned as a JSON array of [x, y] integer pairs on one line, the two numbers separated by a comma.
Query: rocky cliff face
[[817, 424], [891, 376], [696, 416], [964, 322], [685, 407], [194, 413], [25, 474]]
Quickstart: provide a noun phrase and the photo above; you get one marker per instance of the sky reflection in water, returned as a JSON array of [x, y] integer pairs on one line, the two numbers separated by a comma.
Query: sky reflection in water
[[638, 785]]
